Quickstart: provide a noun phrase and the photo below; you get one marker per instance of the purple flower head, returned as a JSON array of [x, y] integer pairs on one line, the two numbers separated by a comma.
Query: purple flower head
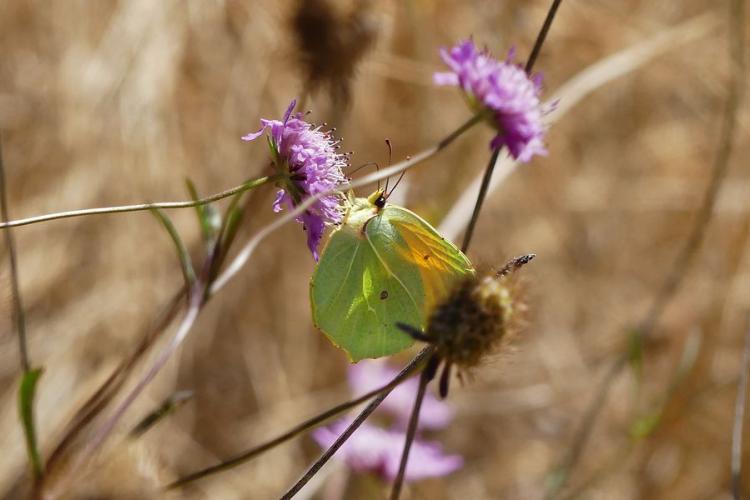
[[376, 450], [368, 375], [503, 91], [307, 157]]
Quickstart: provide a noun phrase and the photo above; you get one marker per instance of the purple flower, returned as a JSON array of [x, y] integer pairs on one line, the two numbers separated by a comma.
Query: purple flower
[[307, 158], [504, 92], [368, 375], [376, 450]]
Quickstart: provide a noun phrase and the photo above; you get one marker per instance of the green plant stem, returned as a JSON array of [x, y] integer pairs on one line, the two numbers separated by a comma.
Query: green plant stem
[[26, 394], [246, 186], [30, 377]]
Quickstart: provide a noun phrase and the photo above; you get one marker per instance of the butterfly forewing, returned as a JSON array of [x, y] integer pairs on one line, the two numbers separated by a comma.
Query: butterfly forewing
[[441, 264]]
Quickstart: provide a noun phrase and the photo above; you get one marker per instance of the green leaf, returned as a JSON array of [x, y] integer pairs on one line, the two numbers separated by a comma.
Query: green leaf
[[273, 149], [26, 392], [555, 479], [166, 408], [645, 425], [232, 220], [182, 253], [635, 353], [208, 216]]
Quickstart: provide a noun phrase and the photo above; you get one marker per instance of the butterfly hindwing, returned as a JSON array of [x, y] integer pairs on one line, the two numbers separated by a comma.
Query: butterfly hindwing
[[357, 298]]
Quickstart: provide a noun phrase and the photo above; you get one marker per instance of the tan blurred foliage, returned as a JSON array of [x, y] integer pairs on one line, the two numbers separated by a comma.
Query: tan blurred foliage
[[105, 103]]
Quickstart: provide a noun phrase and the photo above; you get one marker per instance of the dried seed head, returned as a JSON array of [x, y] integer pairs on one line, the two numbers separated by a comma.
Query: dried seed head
[[331, 40], [480, 315]]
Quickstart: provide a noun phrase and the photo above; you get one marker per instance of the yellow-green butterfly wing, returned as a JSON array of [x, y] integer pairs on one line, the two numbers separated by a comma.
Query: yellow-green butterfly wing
[[382, 266], [439, 261]]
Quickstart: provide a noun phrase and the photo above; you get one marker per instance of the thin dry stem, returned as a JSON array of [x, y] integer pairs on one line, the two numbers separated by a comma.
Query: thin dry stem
[[686, 256], [166, 205], [298, 429], [411, 431], [739, 417], [488, 171], [18, 315], [364, 414]]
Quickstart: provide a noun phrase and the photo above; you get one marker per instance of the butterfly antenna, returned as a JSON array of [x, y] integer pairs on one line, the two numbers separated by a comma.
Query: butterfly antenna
[[390, 156], [427, 375], [397, 182], [368, 164]]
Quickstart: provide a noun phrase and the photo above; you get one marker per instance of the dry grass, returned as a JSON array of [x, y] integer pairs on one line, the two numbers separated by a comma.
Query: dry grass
[[103, 103]]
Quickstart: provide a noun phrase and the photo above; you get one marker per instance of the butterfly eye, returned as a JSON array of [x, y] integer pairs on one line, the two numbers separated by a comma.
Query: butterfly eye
[[380, 201]]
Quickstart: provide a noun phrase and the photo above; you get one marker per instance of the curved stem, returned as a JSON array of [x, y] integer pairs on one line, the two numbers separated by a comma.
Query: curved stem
[[399, 167], [253, 183]]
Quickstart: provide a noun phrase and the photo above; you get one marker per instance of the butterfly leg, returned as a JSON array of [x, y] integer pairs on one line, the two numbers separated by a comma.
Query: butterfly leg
[[414, 333], [432, 367], [445, 378]]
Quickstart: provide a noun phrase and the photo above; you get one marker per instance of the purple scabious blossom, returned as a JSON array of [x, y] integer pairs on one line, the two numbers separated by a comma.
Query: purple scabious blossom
[[377, 450], [502, 90], [368, 375], [307, 158]]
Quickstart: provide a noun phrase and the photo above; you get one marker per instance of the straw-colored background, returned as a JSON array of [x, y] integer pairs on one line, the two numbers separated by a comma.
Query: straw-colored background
[[105, 103]]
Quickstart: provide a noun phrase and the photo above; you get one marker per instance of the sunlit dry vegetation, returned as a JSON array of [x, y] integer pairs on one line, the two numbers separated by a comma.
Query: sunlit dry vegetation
[[110, 103]]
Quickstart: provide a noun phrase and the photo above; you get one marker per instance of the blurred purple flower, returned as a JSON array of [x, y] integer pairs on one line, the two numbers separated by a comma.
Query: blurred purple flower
[[307, 157], [505, 92], [376, 450], [368, 375]]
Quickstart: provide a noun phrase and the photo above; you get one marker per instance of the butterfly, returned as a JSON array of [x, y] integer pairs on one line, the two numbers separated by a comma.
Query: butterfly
[[384, 264]]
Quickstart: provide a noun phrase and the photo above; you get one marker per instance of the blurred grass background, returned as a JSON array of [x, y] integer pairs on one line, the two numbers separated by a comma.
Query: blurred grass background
[[105, 103]]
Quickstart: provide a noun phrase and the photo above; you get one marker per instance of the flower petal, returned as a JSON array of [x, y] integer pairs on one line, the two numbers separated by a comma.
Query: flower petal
[[368, 375], [308, 158], [289, 111], [504, 89], [376, 450]]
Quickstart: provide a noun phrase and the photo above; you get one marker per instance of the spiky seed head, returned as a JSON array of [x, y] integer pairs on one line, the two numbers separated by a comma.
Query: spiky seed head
[[480, 315]]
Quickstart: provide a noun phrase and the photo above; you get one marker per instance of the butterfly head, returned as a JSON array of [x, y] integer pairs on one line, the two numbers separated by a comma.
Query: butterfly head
[[378, 198]]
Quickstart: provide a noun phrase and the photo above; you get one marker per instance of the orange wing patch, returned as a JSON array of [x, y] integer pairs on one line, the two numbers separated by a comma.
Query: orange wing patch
[[440, 263]]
